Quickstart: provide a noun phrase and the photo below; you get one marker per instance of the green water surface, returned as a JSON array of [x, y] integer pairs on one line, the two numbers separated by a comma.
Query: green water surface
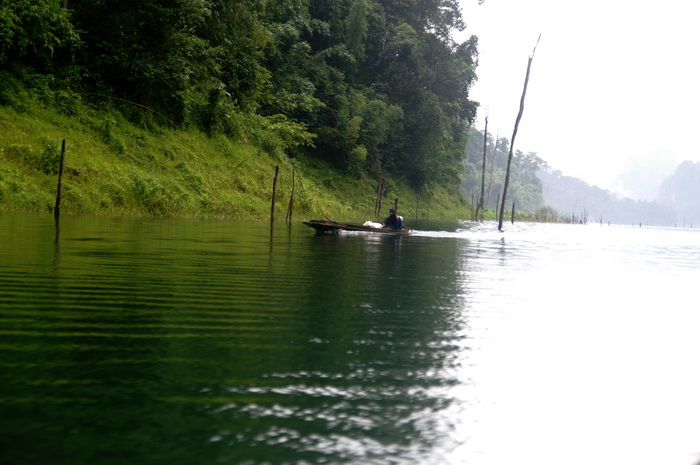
[[188, 341]]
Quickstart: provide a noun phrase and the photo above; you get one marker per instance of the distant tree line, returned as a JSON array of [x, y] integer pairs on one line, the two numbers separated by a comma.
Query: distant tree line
[[525, 187], [372, 85]]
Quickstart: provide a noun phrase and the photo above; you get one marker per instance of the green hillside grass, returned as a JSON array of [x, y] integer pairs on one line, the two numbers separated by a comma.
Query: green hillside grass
[[114, 167]]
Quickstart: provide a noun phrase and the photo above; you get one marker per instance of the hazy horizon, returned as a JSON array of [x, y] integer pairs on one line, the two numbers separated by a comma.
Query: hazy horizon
[[612, 84]]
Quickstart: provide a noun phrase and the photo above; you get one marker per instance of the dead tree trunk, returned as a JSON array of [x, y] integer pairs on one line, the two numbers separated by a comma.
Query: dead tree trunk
[[493, 164], [378, 202], [512, 139], [480, 204]]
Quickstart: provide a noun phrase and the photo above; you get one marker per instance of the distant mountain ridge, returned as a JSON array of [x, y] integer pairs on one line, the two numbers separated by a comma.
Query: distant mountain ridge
[[574, 198], [681, 192], [534, 184]]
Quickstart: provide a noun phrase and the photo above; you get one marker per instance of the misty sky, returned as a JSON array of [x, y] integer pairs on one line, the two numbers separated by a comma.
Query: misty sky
[[611, 81]]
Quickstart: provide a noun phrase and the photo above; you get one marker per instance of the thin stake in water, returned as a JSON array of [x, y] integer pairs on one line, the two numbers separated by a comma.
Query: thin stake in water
[[57, 205]]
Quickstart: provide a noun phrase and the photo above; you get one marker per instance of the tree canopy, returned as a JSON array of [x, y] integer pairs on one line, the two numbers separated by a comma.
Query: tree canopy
[[372, 85]]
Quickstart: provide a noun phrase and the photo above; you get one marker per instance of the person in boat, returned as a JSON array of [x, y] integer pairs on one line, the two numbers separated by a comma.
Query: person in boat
[[393, 221]]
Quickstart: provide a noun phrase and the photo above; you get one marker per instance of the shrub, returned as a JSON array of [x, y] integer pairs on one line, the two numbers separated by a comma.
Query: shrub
[[357, 159], [49, 161]]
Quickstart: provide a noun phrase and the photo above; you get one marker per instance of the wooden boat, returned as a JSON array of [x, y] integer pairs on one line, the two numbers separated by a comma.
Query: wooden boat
[[334, 227]]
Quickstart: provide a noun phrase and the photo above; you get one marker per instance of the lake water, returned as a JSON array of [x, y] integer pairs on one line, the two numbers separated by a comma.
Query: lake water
[[189, 341]]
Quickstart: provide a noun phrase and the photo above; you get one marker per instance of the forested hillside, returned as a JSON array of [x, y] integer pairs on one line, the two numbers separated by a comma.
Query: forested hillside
[[371, 86], [525, 187]]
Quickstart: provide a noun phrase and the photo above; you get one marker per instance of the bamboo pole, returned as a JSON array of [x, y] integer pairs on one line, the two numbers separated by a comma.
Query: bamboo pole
[[57, 205], [118, 99], [515, 132]]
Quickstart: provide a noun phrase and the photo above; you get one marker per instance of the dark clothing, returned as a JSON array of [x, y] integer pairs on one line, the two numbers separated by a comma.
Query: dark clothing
[[393, 222]]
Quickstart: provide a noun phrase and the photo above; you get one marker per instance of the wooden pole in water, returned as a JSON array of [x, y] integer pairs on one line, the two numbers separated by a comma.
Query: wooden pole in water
[[515, 132], [512, 214], [274, 196], [57, 205], [290, 208]]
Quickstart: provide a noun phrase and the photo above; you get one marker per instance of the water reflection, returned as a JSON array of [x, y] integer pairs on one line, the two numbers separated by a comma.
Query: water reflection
[[57, 236], [155, 340], [197, 341]]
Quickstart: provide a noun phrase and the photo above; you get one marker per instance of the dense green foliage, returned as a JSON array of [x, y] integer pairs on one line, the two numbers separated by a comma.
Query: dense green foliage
[[115, 167], [376, 87]]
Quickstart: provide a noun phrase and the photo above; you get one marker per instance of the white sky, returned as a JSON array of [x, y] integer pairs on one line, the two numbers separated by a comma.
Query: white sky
[[611, 80]]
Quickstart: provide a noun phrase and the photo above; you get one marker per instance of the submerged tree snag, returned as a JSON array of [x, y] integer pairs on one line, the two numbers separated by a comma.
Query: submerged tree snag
[[515, 132], [480, 205]]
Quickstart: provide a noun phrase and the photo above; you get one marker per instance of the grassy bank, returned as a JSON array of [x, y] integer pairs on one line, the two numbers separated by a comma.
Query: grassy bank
[[114, 167]]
